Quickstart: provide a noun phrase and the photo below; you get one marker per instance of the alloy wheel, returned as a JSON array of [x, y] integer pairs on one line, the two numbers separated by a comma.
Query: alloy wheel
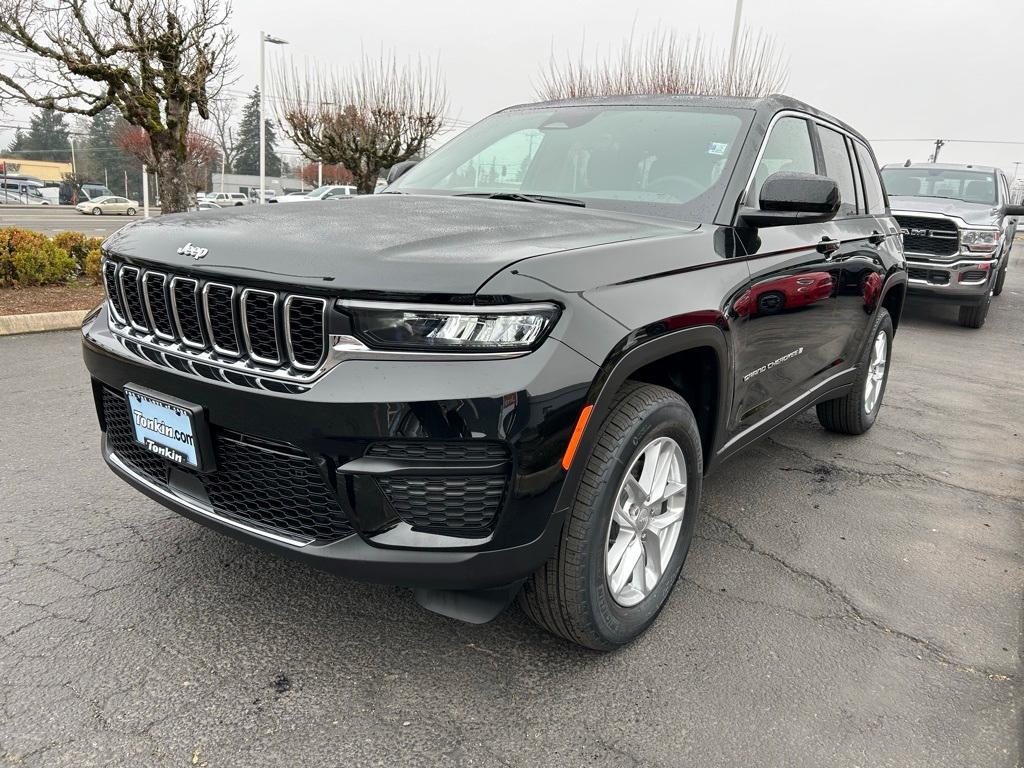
[[647, 516], [876, 373]]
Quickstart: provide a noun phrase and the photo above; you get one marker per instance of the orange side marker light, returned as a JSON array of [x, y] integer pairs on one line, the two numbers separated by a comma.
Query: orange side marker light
[[577, 434]]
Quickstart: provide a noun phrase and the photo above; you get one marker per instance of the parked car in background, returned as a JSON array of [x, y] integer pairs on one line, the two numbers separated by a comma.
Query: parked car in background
[[208, 205], [269, 195], [326, 192], [958, 227], [28, 188], [112, 204], [8, 197], [485, 384], [228, 198]]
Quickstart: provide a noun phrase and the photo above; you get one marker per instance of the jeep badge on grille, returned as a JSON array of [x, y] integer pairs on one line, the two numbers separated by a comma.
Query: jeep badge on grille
[[191, 250]]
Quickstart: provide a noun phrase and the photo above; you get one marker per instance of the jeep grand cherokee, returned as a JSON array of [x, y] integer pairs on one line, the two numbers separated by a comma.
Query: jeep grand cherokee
[[508, 374]]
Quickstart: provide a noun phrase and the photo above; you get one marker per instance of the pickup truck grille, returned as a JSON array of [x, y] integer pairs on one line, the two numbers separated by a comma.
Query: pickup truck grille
[[212, 321], [929, 236]]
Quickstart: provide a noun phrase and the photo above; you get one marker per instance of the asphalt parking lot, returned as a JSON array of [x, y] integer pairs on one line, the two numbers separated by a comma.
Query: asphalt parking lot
[[848, 602], [51, 219]]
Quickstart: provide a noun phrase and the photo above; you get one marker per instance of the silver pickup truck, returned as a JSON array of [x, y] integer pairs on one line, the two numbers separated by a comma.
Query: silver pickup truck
[[958, 228]]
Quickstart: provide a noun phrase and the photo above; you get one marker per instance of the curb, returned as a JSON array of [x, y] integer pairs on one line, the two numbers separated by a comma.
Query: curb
[[42, 321]]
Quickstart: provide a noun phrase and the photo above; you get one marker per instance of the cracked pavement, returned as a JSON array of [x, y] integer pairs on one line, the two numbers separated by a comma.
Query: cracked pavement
[[847, 602]]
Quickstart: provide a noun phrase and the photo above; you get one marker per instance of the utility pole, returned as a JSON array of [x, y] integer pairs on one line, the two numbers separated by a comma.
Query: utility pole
[[939, 144], [264, 39], [735, 39], [145, 191]]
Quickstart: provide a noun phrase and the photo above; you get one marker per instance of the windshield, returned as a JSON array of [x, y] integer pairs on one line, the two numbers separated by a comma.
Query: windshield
[[668, 161], [320, 191], [955, 184]]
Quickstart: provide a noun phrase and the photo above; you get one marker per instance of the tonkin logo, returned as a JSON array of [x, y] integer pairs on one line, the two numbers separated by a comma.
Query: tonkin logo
[[194, 251]]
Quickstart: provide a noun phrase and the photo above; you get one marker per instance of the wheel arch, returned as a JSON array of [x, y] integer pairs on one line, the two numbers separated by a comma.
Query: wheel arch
[[692, 361], [894, 296]]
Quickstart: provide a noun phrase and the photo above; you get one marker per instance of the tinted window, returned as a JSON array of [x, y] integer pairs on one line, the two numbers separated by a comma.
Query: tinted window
[[837, 167], [872, 184], [788, 149], [670, 161]]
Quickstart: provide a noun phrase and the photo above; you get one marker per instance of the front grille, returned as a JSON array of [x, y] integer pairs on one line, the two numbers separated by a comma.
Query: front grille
[[931, 236], [259, 330], [933, 276], [258, 482], [430, 450], [457, 505]]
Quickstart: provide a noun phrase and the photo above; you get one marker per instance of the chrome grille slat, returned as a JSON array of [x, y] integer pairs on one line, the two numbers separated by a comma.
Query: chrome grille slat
[[134, 310], [205, 324], [259, 326], [185, 311], [154, 293], [219, 312], [305, 343]]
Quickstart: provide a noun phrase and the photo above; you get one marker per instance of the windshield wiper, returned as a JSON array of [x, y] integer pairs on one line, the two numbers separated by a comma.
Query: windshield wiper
[[526, 198]]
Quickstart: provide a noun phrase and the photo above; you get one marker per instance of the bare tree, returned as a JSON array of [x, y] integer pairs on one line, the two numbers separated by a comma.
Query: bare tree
[[663, 62], [155, 60], [222, 117], [366, 119]]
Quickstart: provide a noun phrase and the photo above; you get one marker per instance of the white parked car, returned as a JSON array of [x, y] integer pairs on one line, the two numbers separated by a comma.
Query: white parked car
[[227, 198], [326, 192], [8, 197], [112, 204]]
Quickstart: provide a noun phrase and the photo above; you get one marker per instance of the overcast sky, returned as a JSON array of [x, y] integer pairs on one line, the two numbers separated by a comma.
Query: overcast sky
[[894, 69]]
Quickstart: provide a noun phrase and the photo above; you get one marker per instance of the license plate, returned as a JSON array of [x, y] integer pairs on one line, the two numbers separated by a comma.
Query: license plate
[[164, 428]]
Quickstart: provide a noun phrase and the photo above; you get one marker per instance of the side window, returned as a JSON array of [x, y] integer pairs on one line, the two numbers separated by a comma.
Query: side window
[[872, 184], [788, 149], [837, 167]]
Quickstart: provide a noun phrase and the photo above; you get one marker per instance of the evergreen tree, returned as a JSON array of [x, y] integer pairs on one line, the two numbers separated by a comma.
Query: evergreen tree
[[101, 161], [247, 159], [46, 139]]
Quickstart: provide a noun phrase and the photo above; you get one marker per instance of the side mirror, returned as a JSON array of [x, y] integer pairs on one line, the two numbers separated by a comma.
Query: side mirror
[[794, 198], [398, 169], [1013, 210]]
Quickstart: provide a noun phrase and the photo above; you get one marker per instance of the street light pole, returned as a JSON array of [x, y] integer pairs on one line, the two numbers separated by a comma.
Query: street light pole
[[264, 39], [735, 38]]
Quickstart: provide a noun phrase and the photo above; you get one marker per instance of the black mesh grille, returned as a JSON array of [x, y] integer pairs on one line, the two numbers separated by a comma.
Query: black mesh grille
[[133, 296], [220, 309], [261, 325], [306, 329], [121, 436], [272, 485], [187, 308], [935, 237], [933, 276], [413, 450], [110, 283], [158, 304], [453, 504], [973, 275]]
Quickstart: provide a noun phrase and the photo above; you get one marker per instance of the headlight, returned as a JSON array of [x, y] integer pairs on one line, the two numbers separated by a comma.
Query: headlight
[[510, 328], [980, 239]]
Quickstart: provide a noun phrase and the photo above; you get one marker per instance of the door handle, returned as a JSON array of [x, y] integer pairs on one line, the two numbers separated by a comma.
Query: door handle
[[876, 238], [828, 247]]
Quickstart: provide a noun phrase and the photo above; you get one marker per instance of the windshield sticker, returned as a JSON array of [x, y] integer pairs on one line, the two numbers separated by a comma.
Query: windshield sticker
[[717, 148]]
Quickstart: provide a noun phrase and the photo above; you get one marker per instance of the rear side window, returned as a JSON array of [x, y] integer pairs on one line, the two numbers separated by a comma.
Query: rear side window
[[788, 148], [872, 184], [838, 167]]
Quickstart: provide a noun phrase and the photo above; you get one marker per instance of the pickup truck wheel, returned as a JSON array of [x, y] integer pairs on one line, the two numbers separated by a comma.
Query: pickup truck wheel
[[855, 413], [629, 529], [973, 315], [1000, 280]]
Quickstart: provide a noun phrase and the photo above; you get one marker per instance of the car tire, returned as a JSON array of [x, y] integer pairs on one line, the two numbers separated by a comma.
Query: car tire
[[1000, 281], [97, 211], [974, 315], [855, 412], [571, 594], [130, 211]]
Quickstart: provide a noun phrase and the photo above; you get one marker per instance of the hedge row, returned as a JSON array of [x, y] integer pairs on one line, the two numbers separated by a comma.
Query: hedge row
[[30, 258]]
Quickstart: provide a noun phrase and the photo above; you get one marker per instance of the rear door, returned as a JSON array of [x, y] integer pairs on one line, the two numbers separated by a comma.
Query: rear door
[[786, 317]]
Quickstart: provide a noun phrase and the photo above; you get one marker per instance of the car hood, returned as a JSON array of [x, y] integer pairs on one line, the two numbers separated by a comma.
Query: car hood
[[972, 213], [416, 244]]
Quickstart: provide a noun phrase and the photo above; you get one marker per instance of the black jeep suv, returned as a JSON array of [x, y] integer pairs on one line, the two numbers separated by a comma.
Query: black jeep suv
[[509, 372]]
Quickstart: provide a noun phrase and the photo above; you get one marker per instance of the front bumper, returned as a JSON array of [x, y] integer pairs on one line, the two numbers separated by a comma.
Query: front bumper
[[527, 404], [962, 281]]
